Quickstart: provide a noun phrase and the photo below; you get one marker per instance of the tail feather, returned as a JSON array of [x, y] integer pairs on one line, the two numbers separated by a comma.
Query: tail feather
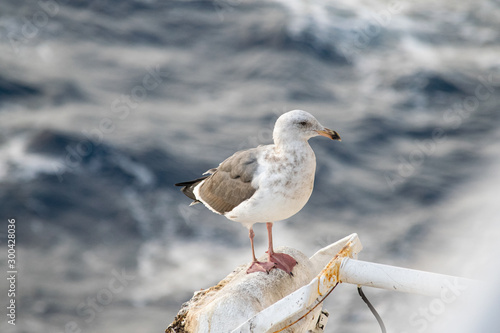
[[189, 186]]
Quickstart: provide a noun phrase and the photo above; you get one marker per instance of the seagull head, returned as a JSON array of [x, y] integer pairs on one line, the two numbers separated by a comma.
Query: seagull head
[[300, 125]]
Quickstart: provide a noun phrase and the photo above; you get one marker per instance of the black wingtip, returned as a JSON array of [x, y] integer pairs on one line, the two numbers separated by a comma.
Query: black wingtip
[[189, 186], [192, 182]]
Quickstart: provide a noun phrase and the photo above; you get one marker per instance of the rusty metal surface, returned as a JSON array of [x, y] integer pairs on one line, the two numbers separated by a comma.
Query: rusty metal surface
[[329, 277]]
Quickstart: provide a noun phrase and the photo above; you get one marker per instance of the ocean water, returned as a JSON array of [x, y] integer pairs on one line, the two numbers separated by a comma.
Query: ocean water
[[104, 105]]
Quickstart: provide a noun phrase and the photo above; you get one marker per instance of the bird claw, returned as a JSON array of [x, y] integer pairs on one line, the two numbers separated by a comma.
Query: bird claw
[[258, 266], [283, 261]]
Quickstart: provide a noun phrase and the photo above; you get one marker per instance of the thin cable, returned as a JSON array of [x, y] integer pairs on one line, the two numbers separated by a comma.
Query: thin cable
[[372, 309]]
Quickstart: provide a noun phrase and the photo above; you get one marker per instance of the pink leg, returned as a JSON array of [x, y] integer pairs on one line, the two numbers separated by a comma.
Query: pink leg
[[283, 261], [251, 234], [257, 266]]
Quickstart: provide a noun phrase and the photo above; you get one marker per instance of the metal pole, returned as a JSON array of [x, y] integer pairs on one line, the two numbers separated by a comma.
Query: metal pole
[[401, 279]]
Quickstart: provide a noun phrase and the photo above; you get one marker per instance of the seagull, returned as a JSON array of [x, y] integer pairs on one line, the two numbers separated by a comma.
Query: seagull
[[265, 184]]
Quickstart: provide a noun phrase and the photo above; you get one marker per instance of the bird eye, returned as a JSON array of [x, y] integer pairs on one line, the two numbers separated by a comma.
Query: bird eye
[[303, 123]]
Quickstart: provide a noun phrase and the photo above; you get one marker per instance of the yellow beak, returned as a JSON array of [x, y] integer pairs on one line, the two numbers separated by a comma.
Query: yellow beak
[[329, 134]]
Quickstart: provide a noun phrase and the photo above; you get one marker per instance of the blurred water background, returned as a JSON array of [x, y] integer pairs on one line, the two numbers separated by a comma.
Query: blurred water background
[[104, 105]]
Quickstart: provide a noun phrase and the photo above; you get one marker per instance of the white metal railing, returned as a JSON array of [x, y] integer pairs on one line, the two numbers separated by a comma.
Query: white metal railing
[[344, 268]]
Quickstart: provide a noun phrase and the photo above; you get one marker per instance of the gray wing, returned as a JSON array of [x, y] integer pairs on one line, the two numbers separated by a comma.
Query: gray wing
[[231, 182]]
